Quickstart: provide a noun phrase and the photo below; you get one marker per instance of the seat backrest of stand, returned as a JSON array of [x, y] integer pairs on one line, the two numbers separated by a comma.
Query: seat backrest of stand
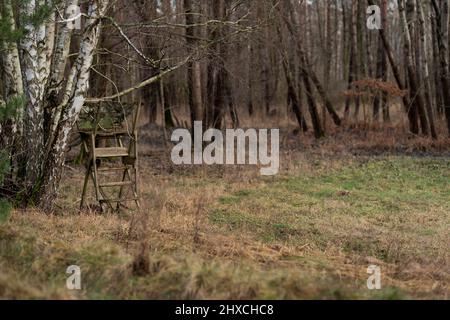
[[108, 117]]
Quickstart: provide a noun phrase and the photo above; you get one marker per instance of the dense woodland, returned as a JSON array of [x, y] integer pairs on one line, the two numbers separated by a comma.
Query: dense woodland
[[317, 64]]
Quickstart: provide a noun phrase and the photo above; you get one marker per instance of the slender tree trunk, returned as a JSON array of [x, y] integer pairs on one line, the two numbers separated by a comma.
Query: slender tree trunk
[[318, 130], [53, 110], [381, 69], [216, 69], [413, 64], [12, 74], [147, 11], [12, 80], [34, 119], [438, 92], [353, 63], [444, 67], [250, 106], [74, 97], [384, 65], [293, 99], [395, 70], [306, 69], [425, 67], [328, 58], [193, 68]]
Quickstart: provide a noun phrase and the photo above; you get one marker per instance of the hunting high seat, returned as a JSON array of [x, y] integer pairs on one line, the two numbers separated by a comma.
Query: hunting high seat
[[108, 132]]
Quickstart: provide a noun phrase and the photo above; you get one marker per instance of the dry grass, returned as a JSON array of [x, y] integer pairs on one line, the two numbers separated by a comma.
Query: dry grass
[[227, 233]]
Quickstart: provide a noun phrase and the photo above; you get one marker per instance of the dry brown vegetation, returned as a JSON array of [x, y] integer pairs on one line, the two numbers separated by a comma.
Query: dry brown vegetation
[[228, 233]]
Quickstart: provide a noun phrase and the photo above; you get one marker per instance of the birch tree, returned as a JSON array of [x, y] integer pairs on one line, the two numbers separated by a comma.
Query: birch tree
[[35, 68], [38, 66], [49, 69], [443, 59]]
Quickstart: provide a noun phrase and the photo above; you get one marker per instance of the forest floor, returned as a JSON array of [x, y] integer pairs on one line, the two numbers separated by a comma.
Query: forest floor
[[337, 206]]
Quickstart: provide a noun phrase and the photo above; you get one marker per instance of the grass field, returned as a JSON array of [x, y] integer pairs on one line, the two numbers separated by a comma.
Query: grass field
[[227, 233]]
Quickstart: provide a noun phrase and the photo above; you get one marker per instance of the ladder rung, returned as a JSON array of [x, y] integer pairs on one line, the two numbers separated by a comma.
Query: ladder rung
[[111, 152], [106, 169], [116, 184], [118, 200]]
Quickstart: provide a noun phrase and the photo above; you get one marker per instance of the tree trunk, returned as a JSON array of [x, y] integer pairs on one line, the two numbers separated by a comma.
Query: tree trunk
[[12, 83], [413, 64], [318, 130], [353, 63], [193, 68], [443, 55], [381, 69], [250, 106], [384, 66], [425, 68], [394, 67], [438, 92], [75, 93], [293, 99], [306, 69]]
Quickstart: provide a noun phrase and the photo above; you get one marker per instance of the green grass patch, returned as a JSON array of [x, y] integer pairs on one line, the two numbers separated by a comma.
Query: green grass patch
[[351, 207]]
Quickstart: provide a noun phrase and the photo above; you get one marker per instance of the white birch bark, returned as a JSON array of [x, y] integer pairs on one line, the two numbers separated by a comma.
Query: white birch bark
[[62, 47], [12, 74], [58, 66], [425, 66], [11, 62], [34, 92], [41, 43], [73, 100], [46, 45]]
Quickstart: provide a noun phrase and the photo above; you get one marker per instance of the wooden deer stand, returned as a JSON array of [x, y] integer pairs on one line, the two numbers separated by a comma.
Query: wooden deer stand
[[108, 131]]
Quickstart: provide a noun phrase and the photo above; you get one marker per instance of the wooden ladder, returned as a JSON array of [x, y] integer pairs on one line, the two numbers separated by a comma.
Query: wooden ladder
[[121, 159]]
